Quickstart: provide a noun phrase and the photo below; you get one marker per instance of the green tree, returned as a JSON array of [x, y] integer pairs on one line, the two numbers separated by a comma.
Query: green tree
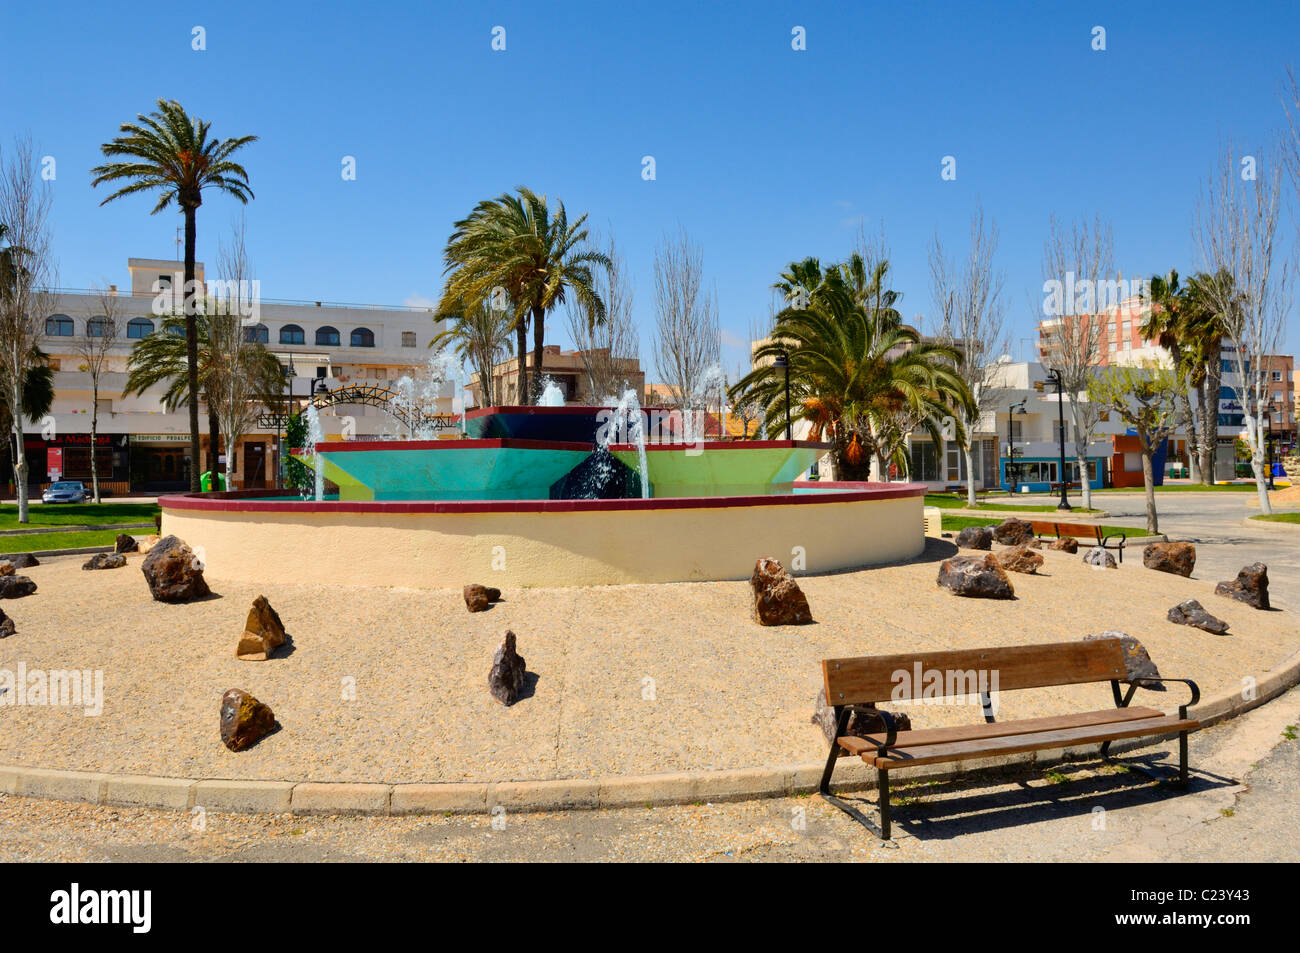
[[481, 335], [170, 152]]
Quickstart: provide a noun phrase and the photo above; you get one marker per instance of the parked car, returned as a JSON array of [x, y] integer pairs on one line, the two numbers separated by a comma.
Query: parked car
[[66, 491]]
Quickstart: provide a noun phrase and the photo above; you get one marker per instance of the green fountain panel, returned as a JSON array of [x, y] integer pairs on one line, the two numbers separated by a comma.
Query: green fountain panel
[[723, 468]]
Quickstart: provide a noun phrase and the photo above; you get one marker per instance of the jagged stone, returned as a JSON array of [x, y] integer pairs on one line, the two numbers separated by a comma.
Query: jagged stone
[[860, 724], [6, 625], [1020, 559], [1013, 532], [1250, 586], [263, 633], [778, 600], [1193, 613], [6, 568], [506, 680], [1099, 558], [22, 560], [1065, 544], [173, 572], [975, 537], [15, 587], [125, 543], [1176, 558], [1137, 661], [244, 720], [978, 577], [105, 561]]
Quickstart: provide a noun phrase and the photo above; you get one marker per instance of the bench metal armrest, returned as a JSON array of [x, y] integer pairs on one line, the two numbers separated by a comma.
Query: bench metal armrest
[[891, 724], [1122, 537], [1141, 683]]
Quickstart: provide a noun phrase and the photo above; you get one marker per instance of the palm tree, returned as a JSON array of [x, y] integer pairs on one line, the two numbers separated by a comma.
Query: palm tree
[[1205, 326], [38, 396], [515, 244], [170, 152], [483, 336], [858, 375], [1166, 323]]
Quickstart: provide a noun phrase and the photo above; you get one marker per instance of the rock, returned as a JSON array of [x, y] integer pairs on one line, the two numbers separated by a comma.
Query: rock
[[778, 600], [506, 680], [860, 724], [1013, 532], [1176, 558], [105, 561], [173, 572], [1020, 559], [1193, 613], [244, 720], [1035, 543], [1137, 661], [979, 577], [6, 568], [263, 633], [146, 543], [22, 560], [126, 543], [15, 587], [6, 625], [1065, 544], [1250, 586], [1099, 558], [478, 598], [975, 537]]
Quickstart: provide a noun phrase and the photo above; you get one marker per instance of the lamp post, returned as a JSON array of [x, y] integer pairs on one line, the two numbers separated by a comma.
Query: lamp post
[[1054, 376], [783, 361], [1268, 442], [1011, 446]]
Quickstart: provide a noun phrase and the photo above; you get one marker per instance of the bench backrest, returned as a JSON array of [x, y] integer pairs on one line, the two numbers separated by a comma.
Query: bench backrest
[[878, 678], [1058, 529]]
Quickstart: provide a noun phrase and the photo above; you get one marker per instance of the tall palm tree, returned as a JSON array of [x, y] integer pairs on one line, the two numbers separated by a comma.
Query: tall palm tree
[[170, 152], [515, 243], [1205, 326], [858, 375], [37, 397], [1165, 321], [483, 336]]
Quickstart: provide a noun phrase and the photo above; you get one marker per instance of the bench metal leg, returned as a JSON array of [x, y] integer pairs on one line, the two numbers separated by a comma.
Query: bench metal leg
[[882, 789]]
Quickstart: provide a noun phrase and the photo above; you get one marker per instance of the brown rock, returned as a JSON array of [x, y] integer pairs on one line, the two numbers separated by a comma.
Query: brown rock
[[778, 600], [6, 625], [506, 680], [1138, 664], [1020, 559], [1193, 613], [105, 561], [173, 572], [6, 568], [15, 587], [1065, 544], [263, 633], [22, 560], [244, 720], [860, 723], [1176, 558], [1250, 586], [125, 543], [1013, 532], [975, 537], [1035, 543], [478, 598], [978, 577]]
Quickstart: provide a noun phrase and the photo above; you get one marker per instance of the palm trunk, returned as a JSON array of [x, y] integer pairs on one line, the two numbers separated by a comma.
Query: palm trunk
[[1149, 484], [521, 353], [539, 335], [1210, 430], [1195, 402], [192, 347]]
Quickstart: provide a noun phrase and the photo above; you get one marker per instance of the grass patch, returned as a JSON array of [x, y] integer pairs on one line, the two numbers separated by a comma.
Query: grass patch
[[947, 501], [957, 523], [77, 514], [1278, 517], [1290, 733], [1184, 488], [37, 542]]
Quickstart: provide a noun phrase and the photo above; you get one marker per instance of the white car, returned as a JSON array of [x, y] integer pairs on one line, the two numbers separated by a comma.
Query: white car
[[65, 491]]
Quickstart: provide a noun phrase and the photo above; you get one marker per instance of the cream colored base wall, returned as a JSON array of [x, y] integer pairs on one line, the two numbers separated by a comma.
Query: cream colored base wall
[[610, 547]]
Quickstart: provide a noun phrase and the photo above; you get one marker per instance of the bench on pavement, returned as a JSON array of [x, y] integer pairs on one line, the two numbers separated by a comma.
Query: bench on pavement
[[1114, 541], [857, 684]]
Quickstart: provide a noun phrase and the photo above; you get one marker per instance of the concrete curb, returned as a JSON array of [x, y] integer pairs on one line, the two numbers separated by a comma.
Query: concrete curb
[[477, 797], [1273, 526]]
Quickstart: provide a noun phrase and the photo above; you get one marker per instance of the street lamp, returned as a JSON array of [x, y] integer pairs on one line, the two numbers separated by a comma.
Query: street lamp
[[783, 361], [1011, 446], [1268, 442], [1054, 377]]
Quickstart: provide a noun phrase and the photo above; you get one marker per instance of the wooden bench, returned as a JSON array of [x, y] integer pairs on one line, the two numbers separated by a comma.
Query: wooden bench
[[1093, 531], [1056, 487], [857, 684]]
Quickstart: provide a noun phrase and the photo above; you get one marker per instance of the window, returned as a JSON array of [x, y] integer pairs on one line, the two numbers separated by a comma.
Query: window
[[176, 329], [327, 337], [139, 328], [58, 326], [164, 282], [363, 337], [408, 339], [292, 334], [1277, 375], [257, 334], [97, 327], [925, 463]]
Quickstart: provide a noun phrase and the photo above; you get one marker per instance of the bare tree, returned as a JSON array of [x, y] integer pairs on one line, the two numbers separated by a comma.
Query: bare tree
[[610, 348], [968, 302], [1291, 140], [1076, 264], [27, 279], [687, 337], [1236, 234], [93, 348]]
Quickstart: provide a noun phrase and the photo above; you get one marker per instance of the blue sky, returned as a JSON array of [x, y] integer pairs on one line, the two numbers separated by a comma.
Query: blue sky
[[764, 154]]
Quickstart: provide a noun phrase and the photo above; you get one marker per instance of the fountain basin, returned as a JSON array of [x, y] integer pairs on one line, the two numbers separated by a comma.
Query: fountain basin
[[448, 469], [573, 423], [723, 468], [252, 536]]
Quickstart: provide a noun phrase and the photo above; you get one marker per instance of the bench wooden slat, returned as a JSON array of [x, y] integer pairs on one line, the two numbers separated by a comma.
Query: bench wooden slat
[[1058, 529], [881, 678], [867, 744], [1035, 741]]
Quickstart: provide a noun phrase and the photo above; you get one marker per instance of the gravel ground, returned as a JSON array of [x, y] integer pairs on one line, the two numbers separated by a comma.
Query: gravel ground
[[629, 679]]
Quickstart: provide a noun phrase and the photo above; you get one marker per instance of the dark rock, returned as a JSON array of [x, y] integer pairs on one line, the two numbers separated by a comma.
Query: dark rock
[[1250, 586], [860, 724], [1193, 613], [1137, 661], [15, 587], [1099, 558], [1176, 558], [979, 577], [173, 572], [6, 625], [105, 561], [1013, 532], [1065, 544], [1020, 559], [22, 560], [244, 720], [125, 543], [263, 633], [778, 600], [506, 680], [975, 537], [478, 598]]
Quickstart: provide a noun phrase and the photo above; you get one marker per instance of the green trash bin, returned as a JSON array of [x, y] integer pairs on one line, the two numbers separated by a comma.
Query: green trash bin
[[205, 481]]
